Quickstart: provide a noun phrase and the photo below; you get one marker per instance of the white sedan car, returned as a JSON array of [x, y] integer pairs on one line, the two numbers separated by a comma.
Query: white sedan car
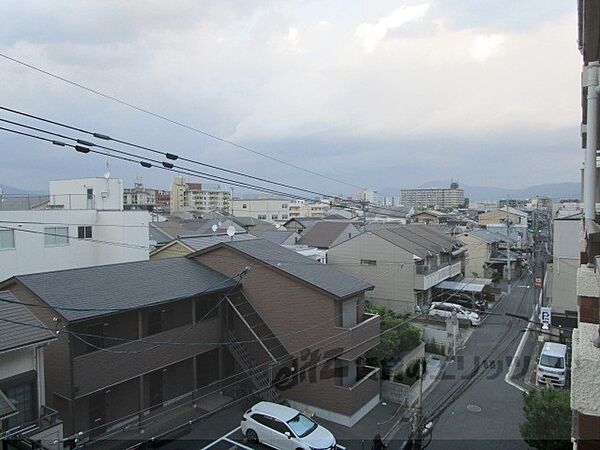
[[442, 309], [284, 428]]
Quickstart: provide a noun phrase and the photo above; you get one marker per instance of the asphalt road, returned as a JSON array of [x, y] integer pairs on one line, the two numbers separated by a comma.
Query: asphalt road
[[486, 411]]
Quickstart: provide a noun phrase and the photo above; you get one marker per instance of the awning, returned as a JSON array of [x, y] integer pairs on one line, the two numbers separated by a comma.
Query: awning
[[460, 286]]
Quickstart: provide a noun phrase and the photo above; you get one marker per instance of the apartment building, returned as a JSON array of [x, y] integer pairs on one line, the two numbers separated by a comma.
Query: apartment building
[[429, 217], [225, 333], [139, 197], [202, 197], [484, 255], [275, 210], [82, 223], [452, 197], [368, 195], [24, 416], [302, 208], [404, 262], [585, 364]]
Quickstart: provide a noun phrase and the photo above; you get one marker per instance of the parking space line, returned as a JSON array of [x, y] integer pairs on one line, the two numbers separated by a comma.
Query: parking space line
[[225, 437], [341, 447], [237, 443]]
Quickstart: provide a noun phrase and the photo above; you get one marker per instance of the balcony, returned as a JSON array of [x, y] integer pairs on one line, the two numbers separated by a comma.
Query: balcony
[[361, 337], [427, 279], [45, 429], [585, 383], [349, 399], [100, 369]]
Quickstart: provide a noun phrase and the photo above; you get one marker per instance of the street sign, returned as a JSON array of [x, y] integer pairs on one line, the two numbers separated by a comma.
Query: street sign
[[545, 316], [538, 282]]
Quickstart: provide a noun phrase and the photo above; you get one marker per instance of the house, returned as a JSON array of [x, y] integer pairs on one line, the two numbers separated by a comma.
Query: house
[[188, 244], [483, 252], [24, 416], [429, 216], [517, 217], [301, 224], [174, 227], [404, 263], [174, 331], [82, 224], [274, 210], [326, 234], [281, 237]]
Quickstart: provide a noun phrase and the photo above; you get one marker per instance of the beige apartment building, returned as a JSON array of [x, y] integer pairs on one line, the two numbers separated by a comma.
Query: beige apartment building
[[203, 197], [269, 209], [452, 197]]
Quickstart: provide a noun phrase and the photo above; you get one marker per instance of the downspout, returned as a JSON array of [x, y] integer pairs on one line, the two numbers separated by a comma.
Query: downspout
[[589, 170]]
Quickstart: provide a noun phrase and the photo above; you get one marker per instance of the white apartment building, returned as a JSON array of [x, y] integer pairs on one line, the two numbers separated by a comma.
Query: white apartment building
[[83, 224], [198, 196], [139, 197], [269, 209], [369, 196], [301, 208], [452, 197]]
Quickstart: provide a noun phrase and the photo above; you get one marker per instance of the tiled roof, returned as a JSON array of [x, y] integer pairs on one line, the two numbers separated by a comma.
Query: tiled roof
[[323, 234], [19, 327], [123, 286]]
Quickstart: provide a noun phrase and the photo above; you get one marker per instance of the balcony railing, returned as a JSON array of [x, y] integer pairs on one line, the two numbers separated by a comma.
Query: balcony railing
[[361, 337], [48, 418], [354, 397], [431, 278]]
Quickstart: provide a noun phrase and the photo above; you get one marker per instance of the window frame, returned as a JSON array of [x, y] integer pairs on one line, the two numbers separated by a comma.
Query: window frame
[[53, 232], [10, 233], [83, 229]]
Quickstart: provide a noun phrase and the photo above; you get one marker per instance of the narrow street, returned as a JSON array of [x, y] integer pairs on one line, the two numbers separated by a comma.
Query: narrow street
[[478, 409]]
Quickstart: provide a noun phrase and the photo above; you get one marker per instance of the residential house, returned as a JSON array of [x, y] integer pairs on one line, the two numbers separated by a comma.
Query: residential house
[[173, 227], [429, 216], [516, 217], [301, 224], [404, 263], [281, 237], [483, 253], [173, 333], [185, 245], [325, 234], [82, 224], [25, 420]]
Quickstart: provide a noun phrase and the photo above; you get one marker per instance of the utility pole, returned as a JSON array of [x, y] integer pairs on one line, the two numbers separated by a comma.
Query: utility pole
[[363, 204], [507, 247], [418, 421]]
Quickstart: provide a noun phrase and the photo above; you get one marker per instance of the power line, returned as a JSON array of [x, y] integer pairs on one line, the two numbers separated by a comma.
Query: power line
[[174, 122]]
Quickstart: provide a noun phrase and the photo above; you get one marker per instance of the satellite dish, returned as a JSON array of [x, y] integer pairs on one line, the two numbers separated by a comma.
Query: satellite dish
[[220, 223], [107, 175], [277, 226], [214, 228], [230, 231]]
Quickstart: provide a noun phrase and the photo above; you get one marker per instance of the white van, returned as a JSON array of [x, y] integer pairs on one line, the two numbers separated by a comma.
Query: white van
[[552, 365]]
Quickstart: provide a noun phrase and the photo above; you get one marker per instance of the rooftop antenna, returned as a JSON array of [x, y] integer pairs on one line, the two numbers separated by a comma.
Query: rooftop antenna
[[107, 173], [214, 228]]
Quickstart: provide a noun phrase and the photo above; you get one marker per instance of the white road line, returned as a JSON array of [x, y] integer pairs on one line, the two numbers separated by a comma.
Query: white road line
[[225, 438], [513, 363], [237, 444]]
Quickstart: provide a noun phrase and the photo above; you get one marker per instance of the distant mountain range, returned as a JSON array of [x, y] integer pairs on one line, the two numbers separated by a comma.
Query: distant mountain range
[[557, 191]]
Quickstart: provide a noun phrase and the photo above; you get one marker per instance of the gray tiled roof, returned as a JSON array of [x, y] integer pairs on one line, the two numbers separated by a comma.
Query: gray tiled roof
[[418, 240], [15, 335], [279, 237], [486, 236], [123, 286], [201, 242], [322, 276], [323, 234]]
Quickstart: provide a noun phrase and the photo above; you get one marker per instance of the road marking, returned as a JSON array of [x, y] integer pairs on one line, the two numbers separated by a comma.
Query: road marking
[[513, 363], [237, 444], [235, 430]]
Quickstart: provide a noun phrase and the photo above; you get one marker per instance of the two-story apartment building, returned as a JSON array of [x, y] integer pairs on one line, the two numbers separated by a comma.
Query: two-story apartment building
[[82, 224], [403, 262], [275, 210], [137, 339], [24, 417], [483, 252]]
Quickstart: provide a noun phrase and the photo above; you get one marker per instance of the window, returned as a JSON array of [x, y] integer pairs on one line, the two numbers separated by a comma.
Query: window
[[284, 206], [244, 206], [274, 216], [368, 262], [56, 236], [23, 397], [7, 238], [262, 217], [284, 216], [84, 232]]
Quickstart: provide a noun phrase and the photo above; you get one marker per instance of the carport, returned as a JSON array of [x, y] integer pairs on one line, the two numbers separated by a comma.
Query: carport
[[470, 289]]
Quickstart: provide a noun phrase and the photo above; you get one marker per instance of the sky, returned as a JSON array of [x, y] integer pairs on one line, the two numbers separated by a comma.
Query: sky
[[380, 94]]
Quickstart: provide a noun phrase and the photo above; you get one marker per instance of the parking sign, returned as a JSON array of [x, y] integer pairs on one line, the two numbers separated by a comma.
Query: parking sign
[[545, 316], [538, 282]]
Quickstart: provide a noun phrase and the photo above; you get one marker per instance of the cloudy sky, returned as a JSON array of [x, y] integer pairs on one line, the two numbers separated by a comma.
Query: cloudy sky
[[385, 94]]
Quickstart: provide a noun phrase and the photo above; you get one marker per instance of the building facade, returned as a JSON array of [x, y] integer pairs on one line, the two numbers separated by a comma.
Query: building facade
[[139, 197], [82, 224], [274, 210], [452, 197], [202, 197]]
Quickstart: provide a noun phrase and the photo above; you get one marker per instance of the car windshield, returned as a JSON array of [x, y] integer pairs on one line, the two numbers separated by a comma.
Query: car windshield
[[552, 361], [301, 425]]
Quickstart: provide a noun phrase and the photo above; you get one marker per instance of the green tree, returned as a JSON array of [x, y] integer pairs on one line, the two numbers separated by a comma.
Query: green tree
[[403, 335], [496, 277], [547, 423]]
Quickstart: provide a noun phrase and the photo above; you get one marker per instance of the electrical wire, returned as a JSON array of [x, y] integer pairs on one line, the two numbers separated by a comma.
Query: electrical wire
[[174, 122]]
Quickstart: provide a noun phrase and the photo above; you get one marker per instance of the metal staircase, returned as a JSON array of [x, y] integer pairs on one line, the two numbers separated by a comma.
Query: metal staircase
[[275, 352]]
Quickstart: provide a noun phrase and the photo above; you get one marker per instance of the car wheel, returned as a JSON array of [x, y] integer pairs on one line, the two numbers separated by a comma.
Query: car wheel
[[251, 436]]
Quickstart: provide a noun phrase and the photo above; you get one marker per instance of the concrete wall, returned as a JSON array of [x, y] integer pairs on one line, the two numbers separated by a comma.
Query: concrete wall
[[72, 194], [30, 253], [393, 276], [262, 207]]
